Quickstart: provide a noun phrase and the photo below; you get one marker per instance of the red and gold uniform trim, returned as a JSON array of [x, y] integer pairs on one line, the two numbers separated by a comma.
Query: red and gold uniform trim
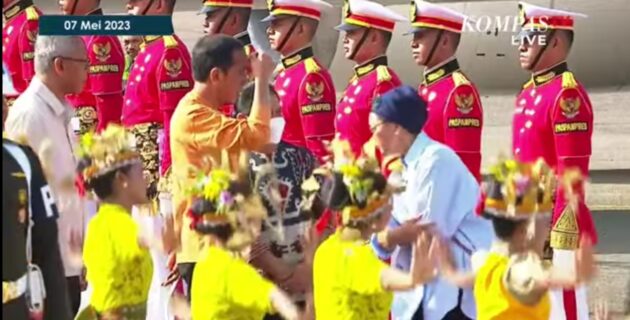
[[437, 23], [295, 11], [370, 22], [16, 8], [229, 3]]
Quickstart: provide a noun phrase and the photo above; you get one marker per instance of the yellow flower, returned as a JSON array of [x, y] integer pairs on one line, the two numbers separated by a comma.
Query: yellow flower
[[218, 182], [87, 142], [350, 170], [511, 165]]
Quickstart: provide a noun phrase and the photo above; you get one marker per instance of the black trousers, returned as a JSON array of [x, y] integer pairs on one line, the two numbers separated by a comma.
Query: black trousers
[[186, 272], [74, 293], [455, 314]]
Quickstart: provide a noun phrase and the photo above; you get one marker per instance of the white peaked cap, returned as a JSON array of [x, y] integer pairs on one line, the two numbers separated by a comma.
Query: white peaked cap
[[533, 16], [368, 14], [428, 15], [303, 8]]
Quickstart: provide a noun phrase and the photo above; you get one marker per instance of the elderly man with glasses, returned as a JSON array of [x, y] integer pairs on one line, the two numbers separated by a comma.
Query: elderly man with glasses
[[41, 119]]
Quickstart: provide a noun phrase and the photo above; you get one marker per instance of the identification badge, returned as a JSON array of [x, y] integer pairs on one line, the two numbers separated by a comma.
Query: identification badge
[[36, 291]]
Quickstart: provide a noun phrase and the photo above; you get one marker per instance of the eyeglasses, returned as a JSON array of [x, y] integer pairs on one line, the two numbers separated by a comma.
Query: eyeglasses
[[376, 126], [86, 62]]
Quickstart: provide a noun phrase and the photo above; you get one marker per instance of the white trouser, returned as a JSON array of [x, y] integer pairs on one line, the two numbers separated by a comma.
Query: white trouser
[[159, 296], [565, 260]]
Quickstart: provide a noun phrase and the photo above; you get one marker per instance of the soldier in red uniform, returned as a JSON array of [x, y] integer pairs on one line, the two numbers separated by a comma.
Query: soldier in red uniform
[[160, 77], [553, 120], [455, 112], [368, 30], [305, 87], [229, 17], [100, 103], [18, 42]]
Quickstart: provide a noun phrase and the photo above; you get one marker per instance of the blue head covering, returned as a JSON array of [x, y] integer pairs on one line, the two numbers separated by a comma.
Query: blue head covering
[[402, 106]]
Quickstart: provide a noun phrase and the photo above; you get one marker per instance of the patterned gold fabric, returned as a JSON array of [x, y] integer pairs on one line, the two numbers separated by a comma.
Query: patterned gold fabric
[[88, 119], [147, 145]]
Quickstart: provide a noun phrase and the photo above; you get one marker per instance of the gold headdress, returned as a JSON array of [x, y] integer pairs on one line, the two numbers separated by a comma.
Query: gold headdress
[[360, 177], [102, 153], [518, 190], [220, 198]]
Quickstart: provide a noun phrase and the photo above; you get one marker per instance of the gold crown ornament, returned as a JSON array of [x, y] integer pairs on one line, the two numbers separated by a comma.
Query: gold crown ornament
[[221, 198], [110, 150], [358, 175], [518, 190]]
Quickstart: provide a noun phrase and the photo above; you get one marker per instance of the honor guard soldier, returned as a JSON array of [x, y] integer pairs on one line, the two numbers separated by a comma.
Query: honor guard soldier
[[553, 120], [100, 103], [160, 77], [21, 26], [305, 87], [229, 17], [455, 112], [368, 30]]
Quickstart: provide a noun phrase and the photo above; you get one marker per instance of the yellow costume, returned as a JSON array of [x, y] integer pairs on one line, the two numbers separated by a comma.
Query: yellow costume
[[347, 273], [347, 281], [226, 287], [495, 302], [119, 270], [505, 281]]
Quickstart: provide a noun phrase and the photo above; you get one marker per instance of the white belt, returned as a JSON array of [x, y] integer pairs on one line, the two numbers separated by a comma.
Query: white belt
[[12, 290]]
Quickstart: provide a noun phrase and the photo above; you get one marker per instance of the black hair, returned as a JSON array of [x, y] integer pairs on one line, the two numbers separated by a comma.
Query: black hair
[[103, 186], [504, 228], [222, 231], [199, 207], [336, 195], [569, 35], [213, 51], [456, 37], [387, 37], [246, 98]]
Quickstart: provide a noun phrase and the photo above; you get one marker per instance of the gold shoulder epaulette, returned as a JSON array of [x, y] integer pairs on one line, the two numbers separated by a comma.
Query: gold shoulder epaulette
[[568, 80], [382, 74], [31, 14], [460, 79], [311, 65], [170, 42], [279, 68]]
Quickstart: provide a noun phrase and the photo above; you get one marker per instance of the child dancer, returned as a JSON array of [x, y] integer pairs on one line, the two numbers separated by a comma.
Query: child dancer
[[228, 214], [511, 281], [115, 254], [350, 282]]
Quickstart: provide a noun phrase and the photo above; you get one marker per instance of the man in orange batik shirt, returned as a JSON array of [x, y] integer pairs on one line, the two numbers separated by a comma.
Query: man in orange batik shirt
[[203, 137]]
